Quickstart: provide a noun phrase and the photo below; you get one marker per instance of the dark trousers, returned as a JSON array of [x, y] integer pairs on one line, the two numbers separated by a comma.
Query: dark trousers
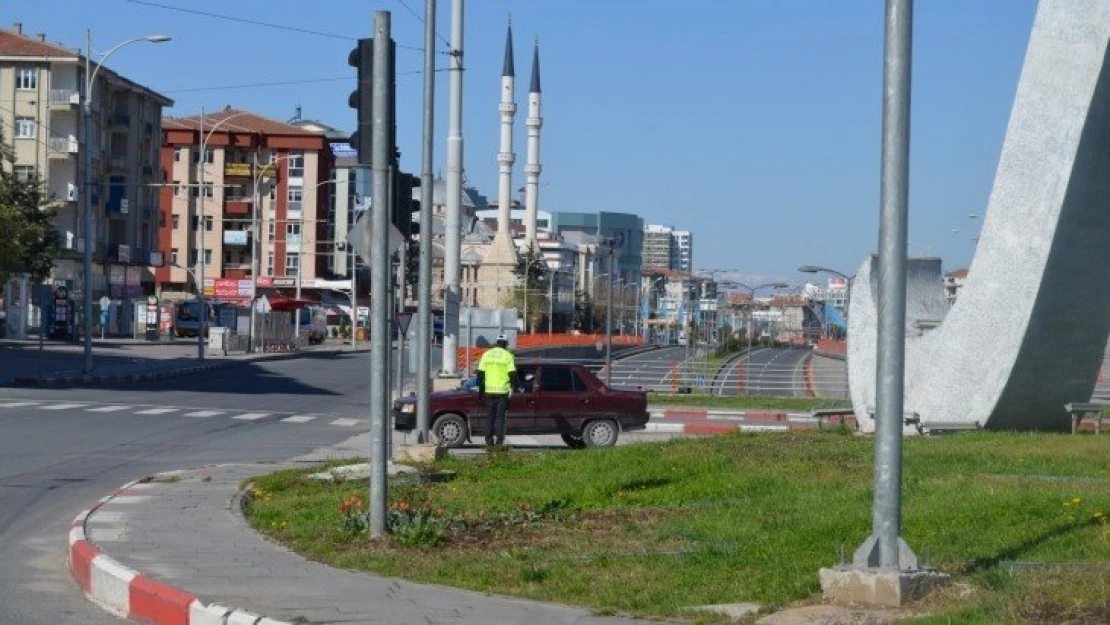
[[495, 417]]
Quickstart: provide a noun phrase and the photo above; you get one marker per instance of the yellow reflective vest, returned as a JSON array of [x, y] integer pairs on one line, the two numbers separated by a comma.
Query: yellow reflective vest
[[496, 366]]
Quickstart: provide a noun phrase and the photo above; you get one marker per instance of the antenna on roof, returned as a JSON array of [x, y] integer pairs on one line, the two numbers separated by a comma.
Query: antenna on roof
[[296, 114]]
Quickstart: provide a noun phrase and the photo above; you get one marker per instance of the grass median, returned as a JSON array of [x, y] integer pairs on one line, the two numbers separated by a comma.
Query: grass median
[[652, 529], [766, 402]]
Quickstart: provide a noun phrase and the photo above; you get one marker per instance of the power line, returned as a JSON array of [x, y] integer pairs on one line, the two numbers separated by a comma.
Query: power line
[[421, 19], [280, 83], [243, 20]]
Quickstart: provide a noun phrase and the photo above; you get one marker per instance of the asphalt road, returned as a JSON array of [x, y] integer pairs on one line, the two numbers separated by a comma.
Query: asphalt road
[[766, 371], [62, 449], [647, 370]]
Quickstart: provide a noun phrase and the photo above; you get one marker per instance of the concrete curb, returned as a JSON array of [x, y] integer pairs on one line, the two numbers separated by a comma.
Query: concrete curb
[[132, 595], [118, 378], [700, 421]]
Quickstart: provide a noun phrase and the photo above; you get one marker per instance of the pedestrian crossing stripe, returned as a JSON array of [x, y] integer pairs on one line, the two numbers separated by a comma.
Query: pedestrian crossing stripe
[[62, 406], [345, 422], [204, 413], [109, 408], [251, 416], [18, 404], [158, 410], [299, 419]]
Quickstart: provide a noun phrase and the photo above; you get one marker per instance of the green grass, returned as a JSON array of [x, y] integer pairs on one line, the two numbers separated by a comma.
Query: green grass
[[651, 529], [755, 401]]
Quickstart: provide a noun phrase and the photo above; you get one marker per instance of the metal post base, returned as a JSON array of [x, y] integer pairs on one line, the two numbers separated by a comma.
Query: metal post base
[[867, 555]]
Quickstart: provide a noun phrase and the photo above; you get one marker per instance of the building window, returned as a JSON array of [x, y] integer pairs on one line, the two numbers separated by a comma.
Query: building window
[[176, 221], [208, 190], [293, 229], [24, 173], [208, 223], [192, 258], [207, 257], [177, 155], [296, 164], [269, 264], [270, 229], [27, 78], [176, 188], [209, 156], [25, 128], [173, 256], [273, 192], [292, 264]]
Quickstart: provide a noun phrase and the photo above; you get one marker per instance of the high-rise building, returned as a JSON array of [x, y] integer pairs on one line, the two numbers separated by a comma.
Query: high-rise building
[[43, 123], [683, 251], [667, 248], [257, 171]]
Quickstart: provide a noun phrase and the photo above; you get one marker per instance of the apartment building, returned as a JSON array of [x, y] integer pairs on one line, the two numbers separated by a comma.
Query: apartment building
[[669, 248], [262, 203], [42, 120]]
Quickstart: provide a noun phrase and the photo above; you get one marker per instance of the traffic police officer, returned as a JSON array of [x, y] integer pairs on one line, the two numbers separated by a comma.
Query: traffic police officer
[[496, 378]]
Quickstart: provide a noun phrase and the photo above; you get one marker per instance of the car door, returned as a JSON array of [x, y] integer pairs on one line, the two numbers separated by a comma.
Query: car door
[[559, 406], [520, 417]]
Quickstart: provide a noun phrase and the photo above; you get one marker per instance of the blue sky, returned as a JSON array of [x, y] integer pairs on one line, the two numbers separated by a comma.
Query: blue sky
[[753, 123]]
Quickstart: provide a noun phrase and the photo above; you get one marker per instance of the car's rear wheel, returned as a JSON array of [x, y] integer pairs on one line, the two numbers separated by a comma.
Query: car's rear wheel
[[574, 442], [450, 430], [600, 433]]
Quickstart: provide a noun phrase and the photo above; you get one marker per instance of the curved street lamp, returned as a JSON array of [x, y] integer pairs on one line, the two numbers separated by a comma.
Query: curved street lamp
[[751, 311], [90, 81], [849, 279]]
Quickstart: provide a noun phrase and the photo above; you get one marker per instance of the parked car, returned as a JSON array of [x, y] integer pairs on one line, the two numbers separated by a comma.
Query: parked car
[[551, 398]]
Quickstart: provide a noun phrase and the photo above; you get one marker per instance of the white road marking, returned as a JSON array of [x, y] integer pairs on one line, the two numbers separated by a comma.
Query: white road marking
[[62, 406], [200, 414], [109, 408], [345, 422], [158, 410], [251, 416], [298, 419], [17, 404]]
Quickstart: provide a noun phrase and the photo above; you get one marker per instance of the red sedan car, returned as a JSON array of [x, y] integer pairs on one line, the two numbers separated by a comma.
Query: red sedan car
[[551, 398]]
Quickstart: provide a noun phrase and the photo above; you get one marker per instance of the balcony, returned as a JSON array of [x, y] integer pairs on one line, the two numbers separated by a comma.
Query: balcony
[[236, 237], [238, 170], [64, 98], [62, 147], [238, 206]]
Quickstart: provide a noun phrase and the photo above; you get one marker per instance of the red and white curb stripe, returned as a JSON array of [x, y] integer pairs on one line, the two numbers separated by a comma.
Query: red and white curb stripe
[[128, 593], [705, 421]]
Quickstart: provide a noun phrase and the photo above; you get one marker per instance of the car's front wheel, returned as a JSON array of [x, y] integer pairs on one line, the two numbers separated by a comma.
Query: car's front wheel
[[450, 430], [600, 433], [574, 442]]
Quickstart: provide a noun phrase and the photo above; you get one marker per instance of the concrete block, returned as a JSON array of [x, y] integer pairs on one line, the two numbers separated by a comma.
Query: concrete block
[[732, 610], [214, 614], [878, 587], [242, 617], [419, 453], [110, 584]]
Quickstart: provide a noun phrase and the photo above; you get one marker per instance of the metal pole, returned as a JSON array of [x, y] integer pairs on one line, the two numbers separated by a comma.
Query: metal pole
[[86, 295], [887, 505], [452, 240], [379, 275], [609, 325], [354, 299], [424, 297], [255, 236], [550, 300], [200, 250]]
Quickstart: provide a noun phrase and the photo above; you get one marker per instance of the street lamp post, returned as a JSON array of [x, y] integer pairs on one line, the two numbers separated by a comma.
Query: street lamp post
[[256, 245], [849, 279], [202, 262], [90, 81], [751, 309]]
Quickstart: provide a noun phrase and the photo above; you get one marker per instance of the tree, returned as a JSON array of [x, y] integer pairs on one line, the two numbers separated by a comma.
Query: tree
[[29, 242], [531, 294]]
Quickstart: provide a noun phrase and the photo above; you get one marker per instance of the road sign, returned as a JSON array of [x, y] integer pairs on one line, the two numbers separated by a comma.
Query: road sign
[[402, 321], [105, 303], [359, 237], [262, 305]]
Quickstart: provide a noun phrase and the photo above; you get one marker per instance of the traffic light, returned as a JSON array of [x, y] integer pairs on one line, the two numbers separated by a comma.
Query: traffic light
[[362, 99], [403, 203]]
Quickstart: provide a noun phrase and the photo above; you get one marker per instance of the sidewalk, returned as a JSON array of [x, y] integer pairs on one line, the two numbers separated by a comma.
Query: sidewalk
[[22, 363], [176, 550]]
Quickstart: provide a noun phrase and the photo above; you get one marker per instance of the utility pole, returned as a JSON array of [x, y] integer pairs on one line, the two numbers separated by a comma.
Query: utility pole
[[452, 239], [424, 303], [609, 322], [379, 272]]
